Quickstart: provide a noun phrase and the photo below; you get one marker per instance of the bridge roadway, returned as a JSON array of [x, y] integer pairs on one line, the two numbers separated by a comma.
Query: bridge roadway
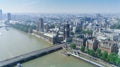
[[29, 56]]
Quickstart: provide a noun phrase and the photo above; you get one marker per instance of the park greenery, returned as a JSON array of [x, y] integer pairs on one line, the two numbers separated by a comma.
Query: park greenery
[[23, 27]]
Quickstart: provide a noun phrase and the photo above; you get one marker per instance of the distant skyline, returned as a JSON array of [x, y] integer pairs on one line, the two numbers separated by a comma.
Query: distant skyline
[[60, 6]]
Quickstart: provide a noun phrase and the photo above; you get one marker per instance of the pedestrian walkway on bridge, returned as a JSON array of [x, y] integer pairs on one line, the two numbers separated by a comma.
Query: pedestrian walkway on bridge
[[29, 56]]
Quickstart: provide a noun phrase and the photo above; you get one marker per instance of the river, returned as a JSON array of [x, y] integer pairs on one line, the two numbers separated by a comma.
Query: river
[[14, 42]]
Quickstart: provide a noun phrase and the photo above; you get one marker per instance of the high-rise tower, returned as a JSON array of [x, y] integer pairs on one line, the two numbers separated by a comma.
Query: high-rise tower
[[66, 30], [41, 25], [8, 16], [0, 14]]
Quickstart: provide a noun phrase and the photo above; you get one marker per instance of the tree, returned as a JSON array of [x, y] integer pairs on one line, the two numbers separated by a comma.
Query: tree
[[78, 29], [82, 48], [117, 61], [104, 55], [71, 33], [98, 52], [73, 46], [87, 32], [88, 51], [91, 52], [113, 58]]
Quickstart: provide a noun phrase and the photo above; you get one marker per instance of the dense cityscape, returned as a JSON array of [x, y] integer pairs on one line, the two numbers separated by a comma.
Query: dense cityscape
[[96, 36], [52, 33]]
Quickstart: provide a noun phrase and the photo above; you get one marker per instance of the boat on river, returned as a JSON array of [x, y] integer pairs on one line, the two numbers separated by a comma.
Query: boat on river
[[19, 65]]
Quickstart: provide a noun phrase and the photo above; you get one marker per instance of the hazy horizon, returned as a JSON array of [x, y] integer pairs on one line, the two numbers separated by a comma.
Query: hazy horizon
[[61, 6]]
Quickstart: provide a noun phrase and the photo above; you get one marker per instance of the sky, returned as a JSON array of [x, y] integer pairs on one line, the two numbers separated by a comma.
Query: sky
[[60, 6]]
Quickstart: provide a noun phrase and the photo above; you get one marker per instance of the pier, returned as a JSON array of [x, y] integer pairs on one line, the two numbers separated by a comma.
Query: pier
[[29, 56], [91, 62]]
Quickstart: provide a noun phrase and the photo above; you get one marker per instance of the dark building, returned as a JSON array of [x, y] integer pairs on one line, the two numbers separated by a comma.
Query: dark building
[[115, 48], [95, 44], [41, 25], [66, 31]]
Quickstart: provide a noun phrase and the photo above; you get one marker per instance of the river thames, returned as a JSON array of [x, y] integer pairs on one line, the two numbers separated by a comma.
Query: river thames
[[14, 43]]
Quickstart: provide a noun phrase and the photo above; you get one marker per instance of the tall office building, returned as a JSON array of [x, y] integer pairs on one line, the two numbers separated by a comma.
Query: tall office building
[[41, 25], [0, 14], [8, 16]]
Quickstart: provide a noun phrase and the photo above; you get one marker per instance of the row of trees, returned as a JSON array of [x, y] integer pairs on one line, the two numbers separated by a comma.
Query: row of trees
[[23, 27], [112, 58]]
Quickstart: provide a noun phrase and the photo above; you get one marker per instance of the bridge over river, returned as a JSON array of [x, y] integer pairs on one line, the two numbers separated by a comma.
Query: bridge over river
[[29, 56]]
